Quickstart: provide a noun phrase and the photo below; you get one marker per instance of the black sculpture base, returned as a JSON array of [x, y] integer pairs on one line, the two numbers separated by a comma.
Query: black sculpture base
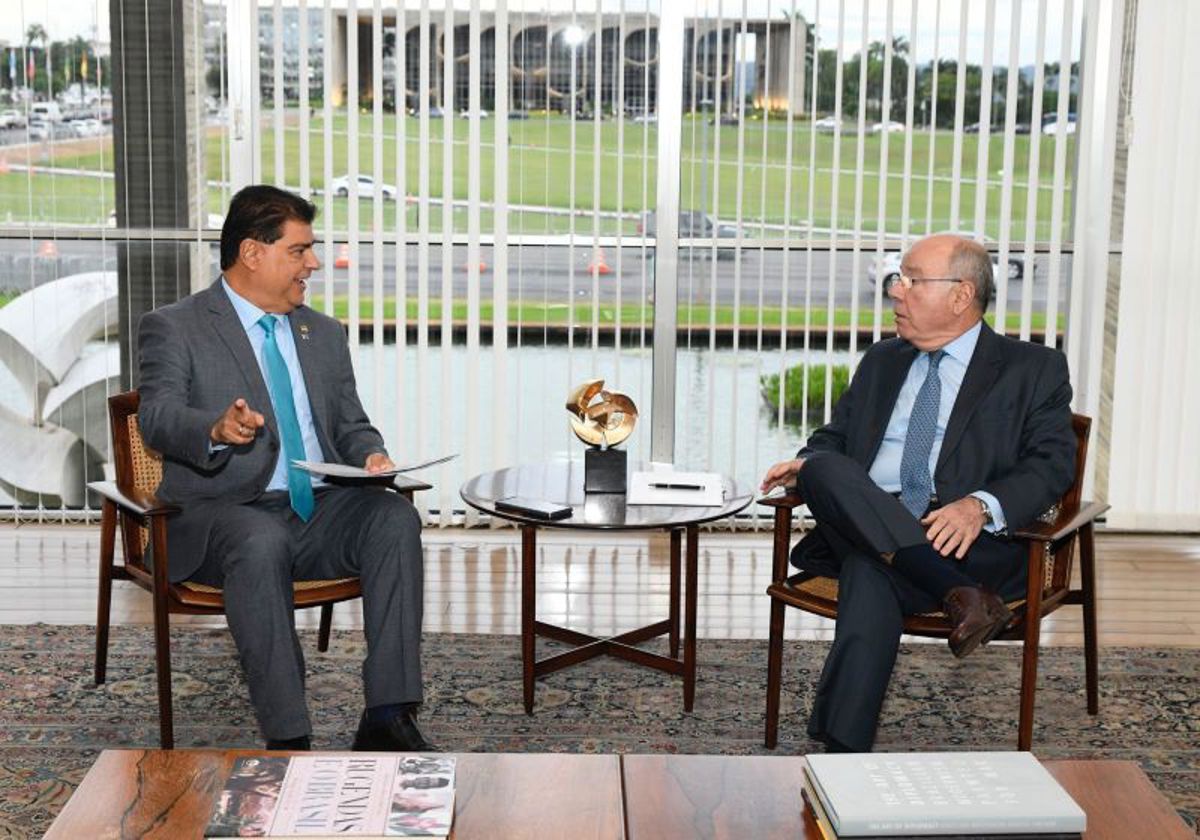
[[604, 470]]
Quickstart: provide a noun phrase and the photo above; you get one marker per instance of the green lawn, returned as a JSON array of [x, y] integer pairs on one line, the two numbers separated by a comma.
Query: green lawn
[[696, 316], [540, 174]]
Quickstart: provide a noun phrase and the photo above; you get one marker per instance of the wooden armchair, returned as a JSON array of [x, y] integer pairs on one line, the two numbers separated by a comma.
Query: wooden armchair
[[130, 505], [1051, 542]]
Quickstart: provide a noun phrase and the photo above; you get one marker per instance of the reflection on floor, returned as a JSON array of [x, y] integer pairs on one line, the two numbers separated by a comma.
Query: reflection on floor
[[1149, 585]]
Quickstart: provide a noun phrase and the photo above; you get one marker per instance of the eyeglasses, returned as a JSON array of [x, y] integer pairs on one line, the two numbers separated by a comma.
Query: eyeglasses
[[906, 282]]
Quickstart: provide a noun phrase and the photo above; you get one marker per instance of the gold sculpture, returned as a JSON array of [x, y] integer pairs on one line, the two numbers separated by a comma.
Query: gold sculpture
[[605, 423]]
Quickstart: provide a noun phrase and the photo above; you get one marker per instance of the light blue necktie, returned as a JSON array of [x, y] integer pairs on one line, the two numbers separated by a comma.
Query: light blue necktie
[[279, 382], [916, 483]]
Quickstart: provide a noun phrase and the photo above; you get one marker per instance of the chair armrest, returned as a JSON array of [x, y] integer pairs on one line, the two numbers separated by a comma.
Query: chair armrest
[[404, 484], [133, 500], [787, 500], [1068, 522]]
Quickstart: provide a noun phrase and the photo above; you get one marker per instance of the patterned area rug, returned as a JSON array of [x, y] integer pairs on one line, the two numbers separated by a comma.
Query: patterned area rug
[[54, 721]]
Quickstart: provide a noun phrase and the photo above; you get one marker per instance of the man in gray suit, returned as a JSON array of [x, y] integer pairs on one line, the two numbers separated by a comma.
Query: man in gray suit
[[237, 381], [948, 436]]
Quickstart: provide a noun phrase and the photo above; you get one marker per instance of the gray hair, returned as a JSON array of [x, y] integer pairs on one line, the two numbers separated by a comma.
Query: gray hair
[[970, 261]]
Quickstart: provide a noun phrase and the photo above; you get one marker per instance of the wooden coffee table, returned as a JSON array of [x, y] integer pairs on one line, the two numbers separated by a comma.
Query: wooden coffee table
[[702, 796], [169, 794]]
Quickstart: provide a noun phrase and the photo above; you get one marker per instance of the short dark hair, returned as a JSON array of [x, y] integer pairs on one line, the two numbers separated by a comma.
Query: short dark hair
[[258, 212], [971, 261]]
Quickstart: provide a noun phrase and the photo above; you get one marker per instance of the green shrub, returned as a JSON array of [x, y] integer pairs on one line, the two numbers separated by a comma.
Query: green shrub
[[794, 388]]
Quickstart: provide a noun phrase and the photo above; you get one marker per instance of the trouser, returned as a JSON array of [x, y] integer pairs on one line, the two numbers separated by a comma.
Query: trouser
[[858, 522], [257, 550]]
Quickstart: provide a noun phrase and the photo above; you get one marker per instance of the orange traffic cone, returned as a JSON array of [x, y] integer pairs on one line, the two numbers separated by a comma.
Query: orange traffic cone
[[483, 267], [343, 256], [598, 265], [48, 249]]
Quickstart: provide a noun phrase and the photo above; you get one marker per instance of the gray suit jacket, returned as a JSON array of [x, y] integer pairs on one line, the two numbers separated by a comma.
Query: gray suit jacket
[[195, 360]]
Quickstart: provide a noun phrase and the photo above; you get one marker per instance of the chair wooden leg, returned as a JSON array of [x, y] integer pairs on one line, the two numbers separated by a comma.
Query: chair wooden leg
[[1087, 569], [162, 636], [1033, 629], [326, 624], [774, 672], [108, 535]]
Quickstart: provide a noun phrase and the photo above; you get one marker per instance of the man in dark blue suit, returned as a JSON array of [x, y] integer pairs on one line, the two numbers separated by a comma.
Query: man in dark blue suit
[[948, 437]]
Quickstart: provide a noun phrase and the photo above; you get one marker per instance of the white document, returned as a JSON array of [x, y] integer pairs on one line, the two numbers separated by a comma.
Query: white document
[[882, 794], [675, 489], [346, 471]]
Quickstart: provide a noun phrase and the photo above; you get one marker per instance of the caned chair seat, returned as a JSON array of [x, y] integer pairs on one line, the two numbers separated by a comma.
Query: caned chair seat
[[1051, 543]]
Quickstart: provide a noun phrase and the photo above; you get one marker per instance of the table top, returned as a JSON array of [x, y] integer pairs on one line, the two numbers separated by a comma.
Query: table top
[[169, 794], [562, 483], [708, 796]]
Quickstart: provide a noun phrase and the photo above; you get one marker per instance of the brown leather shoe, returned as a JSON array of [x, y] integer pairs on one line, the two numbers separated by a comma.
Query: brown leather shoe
[[977, 614]]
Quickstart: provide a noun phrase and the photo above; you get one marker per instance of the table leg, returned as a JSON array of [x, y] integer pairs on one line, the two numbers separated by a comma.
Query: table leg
[[676, 538], [689, 619], [528, 609]]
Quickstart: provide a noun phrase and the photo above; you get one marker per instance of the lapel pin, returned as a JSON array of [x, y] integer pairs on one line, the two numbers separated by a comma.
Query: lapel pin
[[304, 332]]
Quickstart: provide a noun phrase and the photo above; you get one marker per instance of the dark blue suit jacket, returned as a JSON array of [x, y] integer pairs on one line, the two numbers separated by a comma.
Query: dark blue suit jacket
[[1009, 432]]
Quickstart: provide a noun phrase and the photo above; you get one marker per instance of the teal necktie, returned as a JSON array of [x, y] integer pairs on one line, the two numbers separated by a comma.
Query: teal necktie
[[279, 382]]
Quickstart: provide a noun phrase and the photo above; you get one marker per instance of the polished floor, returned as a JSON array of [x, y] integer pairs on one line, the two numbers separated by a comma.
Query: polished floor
[[1149, 585]]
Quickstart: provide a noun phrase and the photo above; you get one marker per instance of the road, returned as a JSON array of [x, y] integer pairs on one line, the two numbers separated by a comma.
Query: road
[[539, 273]]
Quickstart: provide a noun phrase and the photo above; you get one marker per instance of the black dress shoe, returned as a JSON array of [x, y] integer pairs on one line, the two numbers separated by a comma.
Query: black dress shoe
[[978, 616], [400, 734], [300, 744]]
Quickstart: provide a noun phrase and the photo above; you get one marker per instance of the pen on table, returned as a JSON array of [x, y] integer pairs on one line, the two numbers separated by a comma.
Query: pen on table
[[666, 485]]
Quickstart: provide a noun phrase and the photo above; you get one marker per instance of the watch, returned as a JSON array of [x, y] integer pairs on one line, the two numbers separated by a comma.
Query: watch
[[985, 510]]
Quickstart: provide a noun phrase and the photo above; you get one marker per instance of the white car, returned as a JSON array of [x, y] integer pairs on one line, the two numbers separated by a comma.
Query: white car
[[87, 128], [12, 118], [891, 127], [1051, 128], [890, 266], [366, 187], [827, 124]]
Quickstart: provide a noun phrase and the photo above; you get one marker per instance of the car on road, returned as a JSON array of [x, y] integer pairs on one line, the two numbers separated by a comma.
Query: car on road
[[87, 128], [827, 124], [890, 266], [891, 127], [694, 224], [1050, 129], [340, 186], [12, 118]]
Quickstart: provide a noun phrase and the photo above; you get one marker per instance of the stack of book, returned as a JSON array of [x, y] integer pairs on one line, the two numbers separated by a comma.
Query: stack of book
[[960, 794], [317, 796]]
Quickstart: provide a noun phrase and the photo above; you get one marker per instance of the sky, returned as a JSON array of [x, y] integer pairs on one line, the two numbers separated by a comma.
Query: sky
[[65, 19]]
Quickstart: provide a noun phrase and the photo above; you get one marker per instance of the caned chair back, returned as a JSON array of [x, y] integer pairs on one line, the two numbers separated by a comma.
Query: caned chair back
[[138, 468], [1059, 559]]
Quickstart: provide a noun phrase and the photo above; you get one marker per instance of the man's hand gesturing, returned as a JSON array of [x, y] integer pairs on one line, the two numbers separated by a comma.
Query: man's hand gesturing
[[239, 424]]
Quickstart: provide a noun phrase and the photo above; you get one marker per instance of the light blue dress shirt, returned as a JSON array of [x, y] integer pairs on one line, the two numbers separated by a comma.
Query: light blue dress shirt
[[249, 314], [885, 470]]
